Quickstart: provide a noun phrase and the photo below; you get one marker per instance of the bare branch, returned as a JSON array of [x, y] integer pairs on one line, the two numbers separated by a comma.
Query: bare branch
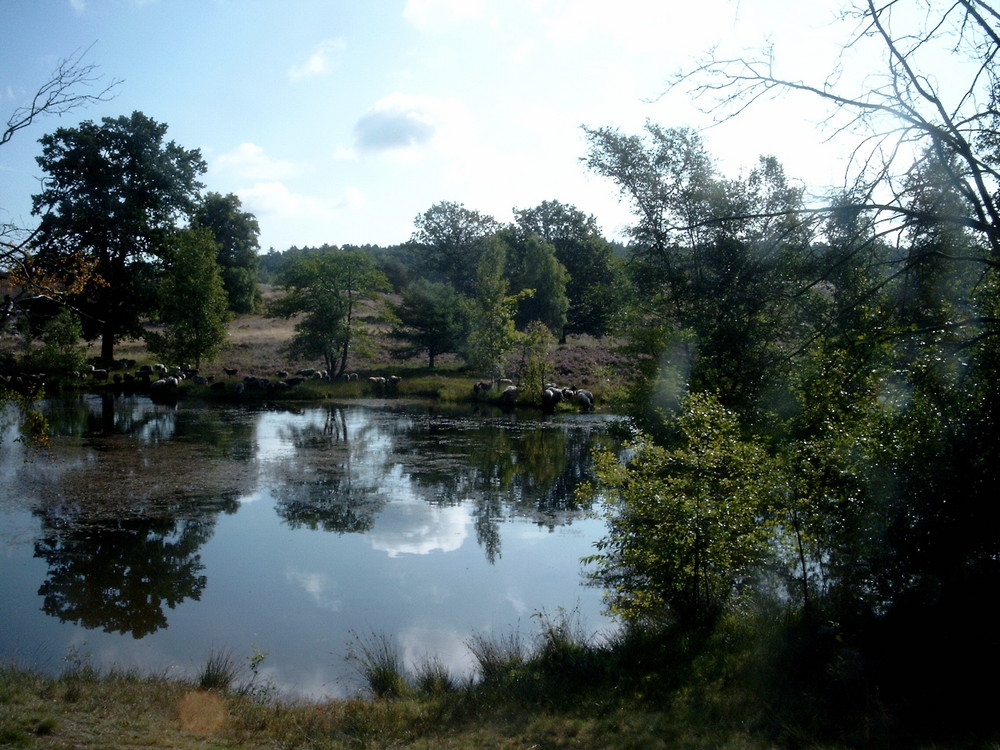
[[63, 92], [907, 108]]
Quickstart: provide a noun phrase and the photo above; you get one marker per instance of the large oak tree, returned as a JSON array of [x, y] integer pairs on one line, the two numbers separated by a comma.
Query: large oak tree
[[114, 192]]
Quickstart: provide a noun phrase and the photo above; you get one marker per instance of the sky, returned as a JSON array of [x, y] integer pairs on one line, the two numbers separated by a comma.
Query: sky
[[339, 121]]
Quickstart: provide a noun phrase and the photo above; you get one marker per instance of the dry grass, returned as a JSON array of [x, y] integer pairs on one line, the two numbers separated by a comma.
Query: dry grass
[[256, 346]]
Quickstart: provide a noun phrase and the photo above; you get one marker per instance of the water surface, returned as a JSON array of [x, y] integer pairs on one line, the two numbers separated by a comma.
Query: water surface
[[147, 535]]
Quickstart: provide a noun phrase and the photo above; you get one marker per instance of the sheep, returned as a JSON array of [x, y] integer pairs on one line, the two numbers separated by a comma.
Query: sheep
[[551, 397], [162, 388], [509, 395]]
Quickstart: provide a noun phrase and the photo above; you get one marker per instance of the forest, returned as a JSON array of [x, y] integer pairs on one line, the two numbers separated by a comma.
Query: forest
[[810, 480]]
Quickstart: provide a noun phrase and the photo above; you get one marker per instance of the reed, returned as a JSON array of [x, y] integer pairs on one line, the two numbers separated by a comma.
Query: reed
[[219, 671]]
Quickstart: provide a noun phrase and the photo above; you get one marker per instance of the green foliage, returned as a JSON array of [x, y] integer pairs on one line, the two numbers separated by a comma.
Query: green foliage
[[193, 304], [235, 233], [491, 314], [689, 526], [112, 197], [535, 346], [61, 350], [546, 277], [592, 271], [716, 263], [450, 240], [326, 289], [431, 319]]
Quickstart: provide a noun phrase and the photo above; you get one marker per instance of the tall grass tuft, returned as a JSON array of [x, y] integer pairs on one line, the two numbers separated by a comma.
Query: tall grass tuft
[[431, 677], [563, 645], [498, 658], [379, 663], [219, 671]]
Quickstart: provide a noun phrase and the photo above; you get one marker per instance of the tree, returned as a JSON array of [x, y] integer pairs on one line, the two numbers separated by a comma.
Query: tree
[[450, 240], [236, 233], [66, 90], [431, 319], [587, 257], [688, 526], [113, 194], [716, 264], [535, 345], [897, 107], [193, 303], [491, 320], [326, 290], [547, 277]]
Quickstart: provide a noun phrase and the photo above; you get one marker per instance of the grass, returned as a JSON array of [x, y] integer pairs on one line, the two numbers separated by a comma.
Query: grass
[[256, 347], [418, 707], [219, 671], [644, 687]]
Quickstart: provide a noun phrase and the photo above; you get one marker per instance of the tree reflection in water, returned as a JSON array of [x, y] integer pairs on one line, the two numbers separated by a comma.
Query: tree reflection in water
[[132, 492], [347, 465], [119, 574]]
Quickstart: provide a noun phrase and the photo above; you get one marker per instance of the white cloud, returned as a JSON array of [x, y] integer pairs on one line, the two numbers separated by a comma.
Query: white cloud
[[78, 6], [432, 14], [250, 162], [402, 122], [323, 60], [418, 529], [344, 153], [320, 588], [276, 201], [353, 199]]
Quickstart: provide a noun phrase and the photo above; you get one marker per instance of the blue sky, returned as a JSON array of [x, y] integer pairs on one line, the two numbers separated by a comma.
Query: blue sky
[[339, 121]]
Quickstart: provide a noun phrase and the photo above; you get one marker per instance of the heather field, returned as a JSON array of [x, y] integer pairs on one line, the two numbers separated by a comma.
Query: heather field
[[257, 344]]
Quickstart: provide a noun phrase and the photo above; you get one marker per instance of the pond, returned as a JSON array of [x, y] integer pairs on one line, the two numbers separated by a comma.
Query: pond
[[148, 536]]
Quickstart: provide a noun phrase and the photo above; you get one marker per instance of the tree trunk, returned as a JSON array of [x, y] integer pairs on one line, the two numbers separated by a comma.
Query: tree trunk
[[107, 345], [343, 357]]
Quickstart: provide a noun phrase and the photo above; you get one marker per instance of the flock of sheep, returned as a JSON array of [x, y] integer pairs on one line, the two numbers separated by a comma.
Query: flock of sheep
[[552, 394], [161, 381]]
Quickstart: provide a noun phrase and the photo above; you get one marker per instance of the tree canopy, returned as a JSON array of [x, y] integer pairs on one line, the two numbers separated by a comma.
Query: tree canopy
[[326, 289], [192, 300], [235, 232], [450, 239], [114, 193]]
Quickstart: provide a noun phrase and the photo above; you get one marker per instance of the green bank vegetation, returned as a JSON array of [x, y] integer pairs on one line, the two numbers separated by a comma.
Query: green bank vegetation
[[554, 687]]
